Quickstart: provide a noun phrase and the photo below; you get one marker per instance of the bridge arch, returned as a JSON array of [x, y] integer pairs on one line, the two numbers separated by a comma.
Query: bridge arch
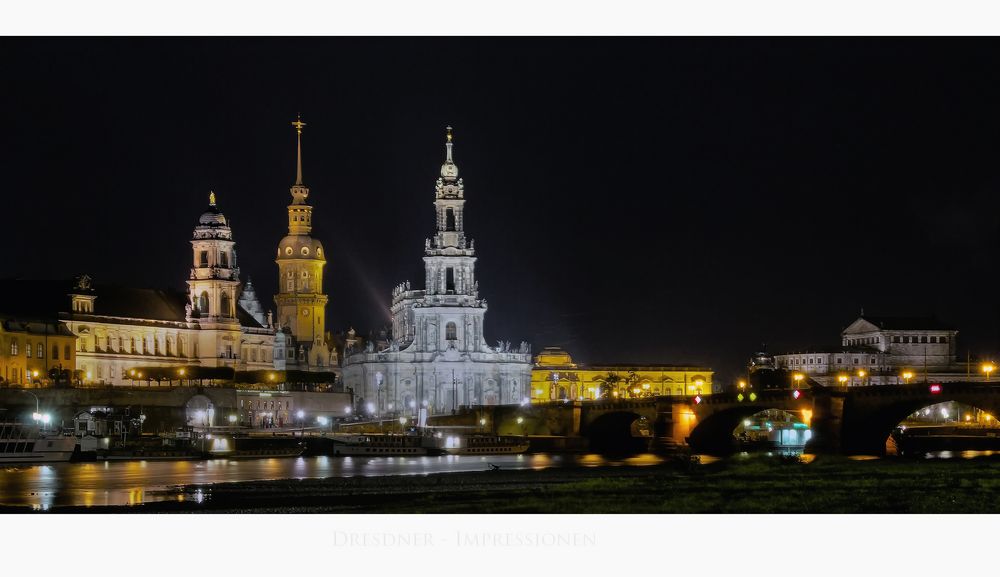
[[868, 425], [714, 432], [618, 432]]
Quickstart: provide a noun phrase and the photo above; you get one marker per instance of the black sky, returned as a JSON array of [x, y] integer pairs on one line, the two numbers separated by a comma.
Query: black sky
[[657, 200]]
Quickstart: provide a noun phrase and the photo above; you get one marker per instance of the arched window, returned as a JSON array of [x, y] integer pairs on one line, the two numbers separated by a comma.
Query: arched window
[[203, 303], [225, 305], [451, 332]]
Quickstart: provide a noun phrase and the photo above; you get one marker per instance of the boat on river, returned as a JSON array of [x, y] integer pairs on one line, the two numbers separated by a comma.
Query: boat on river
[[21, 443], [482, 444], [383, 445]]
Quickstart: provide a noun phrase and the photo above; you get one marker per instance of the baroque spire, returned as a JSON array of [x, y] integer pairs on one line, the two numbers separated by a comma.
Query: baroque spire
[[299, 190]]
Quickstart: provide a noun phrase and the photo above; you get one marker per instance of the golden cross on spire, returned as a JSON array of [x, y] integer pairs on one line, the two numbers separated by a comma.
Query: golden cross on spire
[[449, 133], [298, 124], [211, 198]]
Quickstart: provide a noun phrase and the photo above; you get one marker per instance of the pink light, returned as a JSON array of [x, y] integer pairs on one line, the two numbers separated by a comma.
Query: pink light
[[935, 389], [796, 394], [697, 400]]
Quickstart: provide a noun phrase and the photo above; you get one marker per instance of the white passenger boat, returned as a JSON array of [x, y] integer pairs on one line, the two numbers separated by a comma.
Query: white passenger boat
[[20, 443], [382, 445], [482, 444]]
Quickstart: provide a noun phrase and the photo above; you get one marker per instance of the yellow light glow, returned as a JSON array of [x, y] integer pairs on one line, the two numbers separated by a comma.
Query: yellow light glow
[[35, 373], [988, 368], [131, 373], [861, 373], [181, 372], [842, 379], [798, 377], [645, 385], [907, 375], [807, 416], [89, 375], [743, 384]]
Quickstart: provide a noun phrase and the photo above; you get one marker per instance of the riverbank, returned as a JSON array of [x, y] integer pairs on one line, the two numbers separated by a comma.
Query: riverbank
[[754, 484]]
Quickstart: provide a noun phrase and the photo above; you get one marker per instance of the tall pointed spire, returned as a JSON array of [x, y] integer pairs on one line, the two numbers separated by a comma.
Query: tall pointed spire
[[299, 190], [298, 124]]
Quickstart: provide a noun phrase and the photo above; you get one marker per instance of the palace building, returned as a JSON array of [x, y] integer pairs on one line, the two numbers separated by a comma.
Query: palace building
[[555, 377], [876, 350], [437, 357], [115, 331], [118, 330]]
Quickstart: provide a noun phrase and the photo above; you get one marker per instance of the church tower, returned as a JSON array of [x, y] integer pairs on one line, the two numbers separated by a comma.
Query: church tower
[[215, 277], [300, 300], [449, 260]]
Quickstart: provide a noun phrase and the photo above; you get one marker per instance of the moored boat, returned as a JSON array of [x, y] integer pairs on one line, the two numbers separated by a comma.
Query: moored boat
[[382, 446], [482, 444], [20, 443]]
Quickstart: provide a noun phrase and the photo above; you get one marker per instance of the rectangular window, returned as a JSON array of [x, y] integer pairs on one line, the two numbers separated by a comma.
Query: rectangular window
[[450, 279], [27, 349]]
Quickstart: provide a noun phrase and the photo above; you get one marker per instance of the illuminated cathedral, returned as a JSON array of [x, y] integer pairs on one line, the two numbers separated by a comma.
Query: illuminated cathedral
[[438, 357]]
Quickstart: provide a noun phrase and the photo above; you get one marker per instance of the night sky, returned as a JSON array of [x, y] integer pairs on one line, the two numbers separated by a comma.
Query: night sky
[[632, 200]]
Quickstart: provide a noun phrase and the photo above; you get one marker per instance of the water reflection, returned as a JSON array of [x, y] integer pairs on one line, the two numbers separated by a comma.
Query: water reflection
[[136, 482], [130, 483]]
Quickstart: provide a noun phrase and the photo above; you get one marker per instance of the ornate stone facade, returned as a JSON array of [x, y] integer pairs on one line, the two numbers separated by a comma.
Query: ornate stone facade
[[438, 357]]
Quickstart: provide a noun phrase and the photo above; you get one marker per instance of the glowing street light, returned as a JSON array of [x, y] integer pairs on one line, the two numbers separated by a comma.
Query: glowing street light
[[907, 375], [232, 419], [988, 368], [742, 384], [843, 380]]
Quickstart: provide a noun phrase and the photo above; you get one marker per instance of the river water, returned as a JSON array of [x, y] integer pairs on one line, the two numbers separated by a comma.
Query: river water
[[136, 482]]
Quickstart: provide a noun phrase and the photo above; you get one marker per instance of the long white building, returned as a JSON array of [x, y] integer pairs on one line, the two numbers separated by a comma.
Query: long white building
[[881, 350]]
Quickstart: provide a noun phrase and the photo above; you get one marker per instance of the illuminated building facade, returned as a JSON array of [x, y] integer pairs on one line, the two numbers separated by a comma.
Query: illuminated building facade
[[36, 353], [117, 330], [555, 377], [301, 341], [438, 357], [879, 350]]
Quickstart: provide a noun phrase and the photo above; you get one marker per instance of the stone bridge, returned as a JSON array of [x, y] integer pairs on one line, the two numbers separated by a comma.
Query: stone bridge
[[850, 421]]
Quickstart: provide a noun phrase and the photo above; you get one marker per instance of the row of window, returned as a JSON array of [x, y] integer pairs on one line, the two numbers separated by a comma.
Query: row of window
[[923, 339], [820, 360], [15, 349]]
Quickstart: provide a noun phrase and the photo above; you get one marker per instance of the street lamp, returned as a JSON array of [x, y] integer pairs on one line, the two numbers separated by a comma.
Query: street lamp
[[988, 368], [843, 380], [797, 377], [861, 375], [907, 375]]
